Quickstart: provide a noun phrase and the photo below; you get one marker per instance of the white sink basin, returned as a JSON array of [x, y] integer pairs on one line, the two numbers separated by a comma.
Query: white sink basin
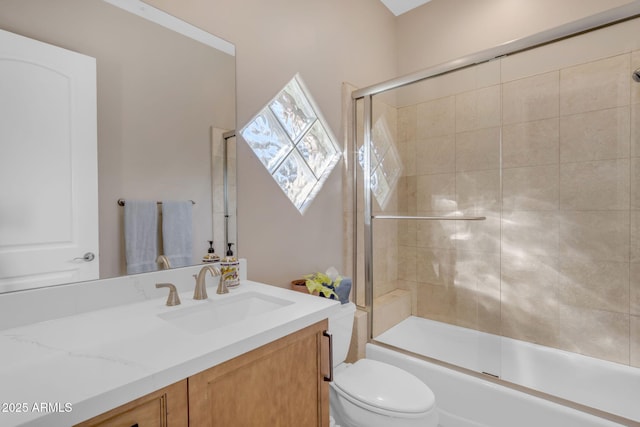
[[213, 314]]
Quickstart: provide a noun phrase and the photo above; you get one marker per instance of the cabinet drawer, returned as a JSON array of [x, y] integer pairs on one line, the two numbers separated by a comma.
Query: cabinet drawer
[[164, 408]]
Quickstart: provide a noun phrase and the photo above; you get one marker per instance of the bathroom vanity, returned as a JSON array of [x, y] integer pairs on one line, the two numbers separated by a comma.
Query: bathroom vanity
[[255, 356], [280, 383]]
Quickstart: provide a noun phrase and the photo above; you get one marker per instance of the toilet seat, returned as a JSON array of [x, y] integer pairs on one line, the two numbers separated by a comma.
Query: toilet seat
[[384, 389]]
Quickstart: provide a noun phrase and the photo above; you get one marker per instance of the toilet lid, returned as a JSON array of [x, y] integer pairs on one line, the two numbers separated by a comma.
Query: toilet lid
[[384, 386]]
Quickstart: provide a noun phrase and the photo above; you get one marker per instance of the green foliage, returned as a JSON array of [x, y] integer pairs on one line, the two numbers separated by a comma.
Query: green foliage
[[323, 284]]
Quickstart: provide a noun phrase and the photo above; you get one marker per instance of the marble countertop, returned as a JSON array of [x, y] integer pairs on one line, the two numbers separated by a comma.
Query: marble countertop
[[63, 371]]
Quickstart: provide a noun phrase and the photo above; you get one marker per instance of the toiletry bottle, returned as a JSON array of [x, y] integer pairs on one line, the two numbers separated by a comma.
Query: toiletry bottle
[[210, 255], [230, 265]]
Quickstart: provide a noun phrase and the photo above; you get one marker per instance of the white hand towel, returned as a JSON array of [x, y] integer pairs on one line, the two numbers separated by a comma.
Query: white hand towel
[[177, 232], [140, 235]]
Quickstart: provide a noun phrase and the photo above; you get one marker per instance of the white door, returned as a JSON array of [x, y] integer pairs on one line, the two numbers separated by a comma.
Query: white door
[[48, 165]]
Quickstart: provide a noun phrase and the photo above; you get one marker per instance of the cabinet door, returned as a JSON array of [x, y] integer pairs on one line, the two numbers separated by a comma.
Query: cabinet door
[[164, 408], [279, 384]]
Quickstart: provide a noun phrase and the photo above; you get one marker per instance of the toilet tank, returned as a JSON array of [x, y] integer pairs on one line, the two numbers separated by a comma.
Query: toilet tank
[[341, 326]]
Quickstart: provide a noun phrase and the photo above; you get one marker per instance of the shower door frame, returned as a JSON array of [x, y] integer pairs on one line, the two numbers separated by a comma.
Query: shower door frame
[[590, 23]]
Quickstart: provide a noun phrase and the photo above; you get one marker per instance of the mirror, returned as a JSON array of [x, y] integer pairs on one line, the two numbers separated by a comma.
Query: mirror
[[164, 100]]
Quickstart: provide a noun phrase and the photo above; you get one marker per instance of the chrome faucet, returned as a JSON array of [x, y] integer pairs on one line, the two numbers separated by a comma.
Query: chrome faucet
[[200, 291], [164, 262], [173, 298]]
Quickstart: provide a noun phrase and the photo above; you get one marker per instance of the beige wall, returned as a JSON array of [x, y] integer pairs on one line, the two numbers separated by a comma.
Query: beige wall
[[328, 43], [443, 30]]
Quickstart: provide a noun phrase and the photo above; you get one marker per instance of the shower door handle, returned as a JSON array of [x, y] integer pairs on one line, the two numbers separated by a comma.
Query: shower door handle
[[330, 336]]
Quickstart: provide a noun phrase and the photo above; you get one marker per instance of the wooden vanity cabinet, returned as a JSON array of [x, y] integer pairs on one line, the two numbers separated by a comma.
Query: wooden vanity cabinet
[[166, 407], [279, 384]]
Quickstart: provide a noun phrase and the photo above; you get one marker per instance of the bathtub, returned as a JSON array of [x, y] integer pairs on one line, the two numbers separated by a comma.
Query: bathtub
[[465, 400]]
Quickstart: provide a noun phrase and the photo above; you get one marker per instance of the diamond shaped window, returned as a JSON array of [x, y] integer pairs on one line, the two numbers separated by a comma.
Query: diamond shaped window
[[293, 142]]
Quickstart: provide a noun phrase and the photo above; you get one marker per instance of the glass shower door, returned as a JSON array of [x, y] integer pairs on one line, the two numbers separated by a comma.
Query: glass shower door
[[435, 208]]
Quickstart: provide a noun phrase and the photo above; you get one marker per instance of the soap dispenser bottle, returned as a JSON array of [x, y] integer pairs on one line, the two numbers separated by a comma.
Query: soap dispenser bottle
[[211, 254], [229, 267]]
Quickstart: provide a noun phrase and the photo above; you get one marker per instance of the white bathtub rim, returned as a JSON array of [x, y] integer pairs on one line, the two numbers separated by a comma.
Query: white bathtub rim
[[491, 382], [504, 357]]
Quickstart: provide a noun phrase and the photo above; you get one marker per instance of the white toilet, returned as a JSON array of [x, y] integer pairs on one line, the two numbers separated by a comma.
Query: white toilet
[[369, 393]]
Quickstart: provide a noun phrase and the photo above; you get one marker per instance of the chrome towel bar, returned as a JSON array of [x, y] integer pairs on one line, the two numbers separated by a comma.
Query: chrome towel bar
[[432, 218]]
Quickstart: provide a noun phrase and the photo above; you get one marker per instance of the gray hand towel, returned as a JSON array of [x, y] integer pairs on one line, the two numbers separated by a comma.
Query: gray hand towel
[[177, 232], [140, 235]]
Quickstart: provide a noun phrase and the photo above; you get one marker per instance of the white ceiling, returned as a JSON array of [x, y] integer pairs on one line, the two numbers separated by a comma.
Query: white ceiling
[[398, 7]]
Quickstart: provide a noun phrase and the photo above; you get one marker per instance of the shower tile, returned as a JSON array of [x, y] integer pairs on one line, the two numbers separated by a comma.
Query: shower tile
[[435, 155], [407, 233], [407, 259], [607, 337], [478, 109], [436, 303], [635, 183], [479, 236], [531, 143], [478, 150], [407, 123], [435, 234], [529, 308], [407, 195], [478, 192], [595, 236], [407, 154], [635, 236], [465, 307], [477, 281], [390, 309], [593, 284], [385, 234], [635, 341], [478, 271], [635, 129], [634, 305], [635, 86], [530, 234], [531, 188], [435, 266], [489, 312], [531, 98], [596, 135], [436, 118], [595, 85], [412, 288], [528, 297], [436, 193], [534, 276], [384, 270], [597, 185]]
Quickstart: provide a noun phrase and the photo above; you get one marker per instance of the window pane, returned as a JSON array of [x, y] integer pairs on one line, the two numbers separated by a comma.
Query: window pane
[[294, 143], [295, 179], [267, 139], [386, 165], [391, 166], [380, 187], [317, 150], [292, 110]]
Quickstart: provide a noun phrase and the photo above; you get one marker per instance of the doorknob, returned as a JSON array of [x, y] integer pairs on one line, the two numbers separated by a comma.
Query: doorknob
[[88, 257]]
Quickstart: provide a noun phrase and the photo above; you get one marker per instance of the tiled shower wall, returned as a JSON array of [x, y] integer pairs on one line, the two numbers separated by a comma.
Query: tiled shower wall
[[552, 160]]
